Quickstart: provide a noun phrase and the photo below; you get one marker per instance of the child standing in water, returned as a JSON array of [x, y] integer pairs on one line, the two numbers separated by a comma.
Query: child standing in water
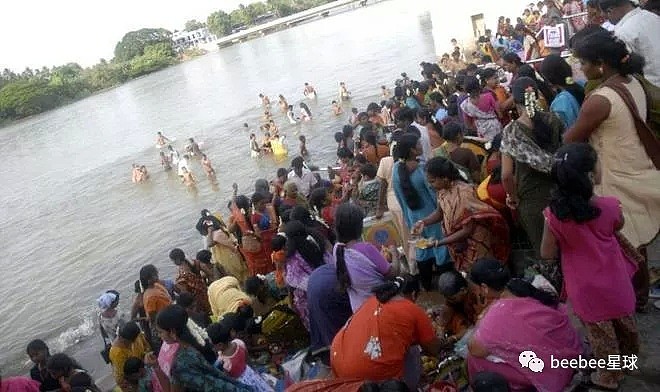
[[208, 168], [303, 146], [188, 178], [336, 109], [344, 94], [583, 228], [291, 116]]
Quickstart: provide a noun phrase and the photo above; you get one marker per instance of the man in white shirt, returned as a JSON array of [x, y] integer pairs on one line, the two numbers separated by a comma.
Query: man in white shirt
[[426, 141], [405, 119], [304, 179], [640, 30]]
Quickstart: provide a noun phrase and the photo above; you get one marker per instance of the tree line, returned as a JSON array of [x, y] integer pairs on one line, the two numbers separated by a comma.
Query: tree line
[[138, 53]]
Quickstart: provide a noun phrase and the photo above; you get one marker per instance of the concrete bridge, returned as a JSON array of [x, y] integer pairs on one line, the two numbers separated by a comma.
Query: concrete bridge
[[285, 22]]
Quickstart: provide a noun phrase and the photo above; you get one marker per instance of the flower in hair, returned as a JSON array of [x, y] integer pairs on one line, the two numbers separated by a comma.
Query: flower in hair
[[569, 80], [531, 102]]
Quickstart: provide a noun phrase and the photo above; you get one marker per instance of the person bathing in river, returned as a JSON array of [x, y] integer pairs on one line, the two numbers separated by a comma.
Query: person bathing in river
[[162, 140], [193, 148], [183, 164], [303, 146], [309, 91], [188, 178], [208, 167], [144, 175], [291, 116], [344, 94], [385, 93], [255, 150], [305, 113], [336, 109], [174, 155], [165, 161], [265, 101], [284, 105], [135, 173]]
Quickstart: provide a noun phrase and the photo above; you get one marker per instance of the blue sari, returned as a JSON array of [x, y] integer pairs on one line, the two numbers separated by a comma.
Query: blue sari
[[429, 204]]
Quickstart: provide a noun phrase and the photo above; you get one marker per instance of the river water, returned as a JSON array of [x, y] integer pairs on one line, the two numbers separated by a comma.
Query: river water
[[73, 224]]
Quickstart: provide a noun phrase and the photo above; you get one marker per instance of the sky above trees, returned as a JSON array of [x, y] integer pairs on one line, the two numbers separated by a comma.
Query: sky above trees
[[45, 32]]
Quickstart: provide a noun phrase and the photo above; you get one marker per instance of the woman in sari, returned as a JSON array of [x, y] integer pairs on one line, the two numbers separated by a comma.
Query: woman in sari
[[375, 343], [528, 144], [264, 219], [225, 251], [155, 298], [226, 296], [252, 246], [629, 165], [518, 318], [360, 265], [418, 201], [305, 252], [482, 106], [190, 280], [472, 228], [190, 370]]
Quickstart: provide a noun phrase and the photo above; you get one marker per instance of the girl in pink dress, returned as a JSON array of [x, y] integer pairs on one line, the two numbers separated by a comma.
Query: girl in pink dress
[[233, 356], [582, 229]]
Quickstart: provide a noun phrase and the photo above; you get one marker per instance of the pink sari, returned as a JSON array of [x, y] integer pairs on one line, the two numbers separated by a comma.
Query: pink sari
[[513, 325], [19, 384], [165, 362]]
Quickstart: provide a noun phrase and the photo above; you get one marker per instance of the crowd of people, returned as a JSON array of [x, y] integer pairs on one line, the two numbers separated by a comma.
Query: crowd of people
[[466, 163]]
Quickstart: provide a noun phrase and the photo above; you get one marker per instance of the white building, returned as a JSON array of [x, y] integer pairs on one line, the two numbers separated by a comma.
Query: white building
[[466, 20], [187, 39]]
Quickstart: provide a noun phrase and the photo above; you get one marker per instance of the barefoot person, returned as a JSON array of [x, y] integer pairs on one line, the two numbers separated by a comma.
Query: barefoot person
[[188, 178], [208, 168], [344, 94], [162, 140], [336, 109], [193, 148], [265, 101], [165, 161], [135, 173], [284, 105], [309, 91]]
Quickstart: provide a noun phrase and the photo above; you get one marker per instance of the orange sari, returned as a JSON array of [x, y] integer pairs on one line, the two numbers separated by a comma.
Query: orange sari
[[258, 261], [490, 238]]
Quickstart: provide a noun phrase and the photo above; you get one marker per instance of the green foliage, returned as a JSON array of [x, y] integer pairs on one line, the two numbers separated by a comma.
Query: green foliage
[[219, 23], [38, 90], [155, 57], [27, 97], [134, 43], [193, 25]]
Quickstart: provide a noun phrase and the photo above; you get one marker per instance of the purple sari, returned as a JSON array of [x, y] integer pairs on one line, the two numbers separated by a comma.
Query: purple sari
[[297, 276]]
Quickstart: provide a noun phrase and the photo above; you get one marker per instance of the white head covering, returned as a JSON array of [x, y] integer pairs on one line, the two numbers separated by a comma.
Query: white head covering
[[106, 300]]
